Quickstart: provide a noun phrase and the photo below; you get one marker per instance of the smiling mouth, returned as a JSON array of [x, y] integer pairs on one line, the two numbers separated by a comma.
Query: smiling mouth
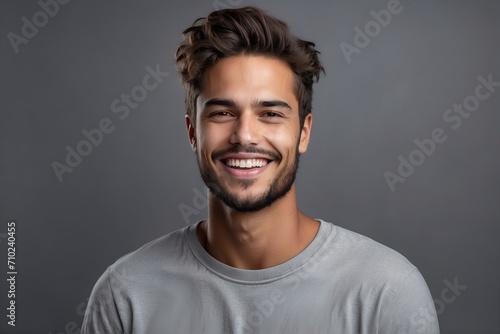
[[246, 163]]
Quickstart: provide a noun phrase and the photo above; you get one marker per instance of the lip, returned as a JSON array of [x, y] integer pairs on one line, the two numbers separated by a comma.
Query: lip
[[246, 156], [244, 173]]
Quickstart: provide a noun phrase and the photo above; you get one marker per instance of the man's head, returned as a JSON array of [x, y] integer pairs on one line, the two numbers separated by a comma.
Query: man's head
[[245, 31], [248, 84]]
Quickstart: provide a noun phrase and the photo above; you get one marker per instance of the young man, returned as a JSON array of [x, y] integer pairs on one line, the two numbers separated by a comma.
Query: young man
[[257, 264]]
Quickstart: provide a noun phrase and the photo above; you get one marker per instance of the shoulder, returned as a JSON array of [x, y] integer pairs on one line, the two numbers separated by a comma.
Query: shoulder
[[153, 257], [366, 250], [132, 279], [381, 279], [366, 260]]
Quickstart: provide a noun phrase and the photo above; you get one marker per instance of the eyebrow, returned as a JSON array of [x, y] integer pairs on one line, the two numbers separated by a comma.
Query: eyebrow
[[219, 102], [272, 103], [259, 103]]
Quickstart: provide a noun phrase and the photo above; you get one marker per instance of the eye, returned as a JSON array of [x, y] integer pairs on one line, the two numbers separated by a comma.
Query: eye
[[220, 116], [220, 113], [272, 114]]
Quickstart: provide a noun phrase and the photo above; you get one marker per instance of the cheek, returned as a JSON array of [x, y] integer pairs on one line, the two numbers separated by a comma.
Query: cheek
[[210, 140], [283, 140]]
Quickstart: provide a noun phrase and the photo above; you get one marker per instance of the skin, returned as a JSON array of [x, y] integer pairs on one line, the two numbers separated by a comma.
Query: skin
[[276, 233]]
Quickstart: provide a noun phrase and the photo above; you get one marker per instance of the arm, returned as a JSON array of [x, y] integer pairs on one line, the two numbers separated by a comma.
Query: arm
[[101, 315], [411, 310]]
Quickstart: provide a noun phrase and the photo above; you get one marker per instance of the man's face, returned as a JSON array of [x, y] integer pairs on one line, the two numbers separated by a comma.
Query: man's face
[[247, 137]]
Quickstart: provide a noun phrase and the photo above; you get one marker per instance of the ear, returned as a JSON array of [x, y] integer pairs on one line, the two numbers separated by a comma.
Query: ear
[[305, 134], [191, 133]]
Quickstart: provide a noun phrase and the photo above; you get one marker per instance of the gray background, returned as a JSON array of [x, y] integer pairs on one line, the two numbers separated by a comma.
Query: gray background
[[444, 218]]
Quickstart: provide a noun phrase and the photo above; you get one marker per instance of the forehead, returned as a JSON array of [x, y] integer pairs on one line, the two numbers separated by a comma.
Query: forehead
[[247, 78]]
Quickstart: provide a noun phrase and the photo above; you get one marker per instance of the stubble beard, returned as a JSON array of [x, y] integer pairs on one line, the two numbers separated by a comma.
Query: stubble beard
[[278, 187]]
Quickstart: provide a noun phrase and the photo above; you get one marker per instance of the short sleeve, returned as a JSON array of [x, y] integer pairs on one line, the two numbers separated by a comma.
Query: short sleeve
[[101, 315], [411, 310]]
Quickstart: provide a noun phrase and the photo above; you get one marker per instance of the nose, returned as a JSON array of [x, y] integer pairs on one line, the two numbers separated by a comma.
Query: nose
[[245, 130]]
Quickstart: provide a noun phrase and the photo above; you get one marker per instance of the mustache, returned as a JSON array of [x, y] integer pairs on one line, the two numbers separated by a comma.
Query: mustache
[[246, 149]]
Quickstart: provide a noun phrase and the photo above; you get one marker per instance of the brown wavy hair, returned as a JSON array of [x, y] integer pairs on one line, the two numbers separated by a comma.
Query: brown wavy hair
[[245, 31]]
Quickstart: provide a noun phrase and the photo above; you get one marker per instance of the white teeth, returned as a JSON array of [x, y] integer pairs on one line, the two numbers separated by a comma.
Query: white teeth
[[246, 163]]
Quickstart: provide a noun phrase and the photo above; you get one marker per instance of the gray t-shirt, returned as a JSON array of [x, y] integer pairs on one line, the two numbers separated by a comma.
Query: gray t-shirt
[[342, 282]]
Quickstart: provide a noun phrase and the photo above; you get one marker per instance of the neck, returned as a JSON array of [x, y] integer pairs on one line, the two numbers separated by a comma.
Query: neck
[[256, 240]]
